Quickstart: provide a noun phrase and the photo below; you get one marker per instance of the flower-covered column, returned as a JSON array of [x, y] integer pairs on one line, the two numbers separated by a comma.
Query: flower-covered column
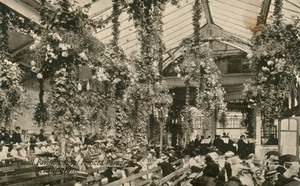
[[198, 68], [152, 91], [276, 62], [10, 73]]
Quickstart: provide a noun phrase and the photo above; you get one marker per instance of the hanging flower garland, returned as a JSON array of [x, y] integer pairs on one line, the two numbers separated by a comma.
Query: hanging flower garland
[[151, 92], [59, 52], [10, 73], [199, 69], [275, 60], [203, 73], [116, 73], [10, 89]]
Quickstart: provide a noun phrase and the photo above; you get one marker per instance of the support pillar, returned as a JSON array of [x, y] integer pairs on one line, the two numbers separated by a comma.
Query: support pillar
[[258, 136]]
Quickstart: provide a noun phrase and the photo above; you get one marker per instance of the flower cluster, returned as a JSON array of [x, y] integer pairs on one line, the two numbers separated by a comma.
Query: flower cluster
[[203, 73], [275, 55], [113, 67]]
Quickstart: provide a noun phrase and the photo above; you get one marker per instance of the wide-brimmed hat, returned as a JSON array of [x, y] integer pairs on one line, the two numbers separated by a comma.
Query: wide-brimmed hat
[[251, 156], [256, 161], [213, 155], [288, 158], [270, 174], [164, 157], [235, 160], [229, 154]]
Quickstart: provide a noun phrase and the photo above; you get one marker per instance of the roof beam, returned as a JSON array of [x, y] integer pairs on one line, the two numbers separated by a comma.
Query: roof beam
[[265, 7], [23, 9], [207, 12], [213, 32]]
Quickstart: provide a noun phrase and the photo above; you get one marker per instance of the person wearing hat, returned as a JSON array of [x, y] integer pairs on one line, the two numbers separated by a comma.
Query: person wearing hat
[[256, 168], [233, 181], [236, 165], [42, 136], [155, 179], [210, 175], [288, 170], [246, 176], [133, 166], [242, 147], [270, 178], [166, 167], [16, 137]]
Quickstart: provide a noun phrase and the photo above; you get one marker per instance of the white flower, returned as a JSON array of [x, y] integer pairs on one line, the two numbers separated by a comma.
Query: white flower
[[13, 68], [34, 69], [265, 53], [32, 47], [56, 36], [251, 101], [79, 87], [264, 79], [53, 55], [83, 56], [64, 54], [39, 76], [117, 80], [64, 46], [48, 47], [155, 64], [32, 63], [265, 69], [270, 63]]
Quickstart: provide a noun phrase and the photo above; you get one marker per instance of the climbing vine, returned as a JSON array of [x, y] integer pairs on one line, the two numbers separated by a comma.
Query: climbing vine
[[275, 60], [198, 68], [10, 73], [151, 93]]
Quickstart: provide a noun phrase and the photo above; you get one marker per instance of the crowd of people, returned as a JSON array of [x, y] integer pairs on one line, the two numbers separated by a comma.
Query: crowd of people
[[219, 161], [242, 147]]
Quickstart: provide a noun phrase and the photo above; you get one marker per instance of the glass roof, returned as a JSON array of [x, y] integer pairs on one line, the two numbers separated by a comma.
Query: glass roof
[[233, 17], [236, 17]]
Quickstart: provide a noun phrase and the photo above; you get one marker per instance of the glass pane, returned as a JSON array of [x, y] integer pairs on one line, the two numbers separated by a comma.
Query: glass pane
[[288, 143], [293, 124], [285, 124]]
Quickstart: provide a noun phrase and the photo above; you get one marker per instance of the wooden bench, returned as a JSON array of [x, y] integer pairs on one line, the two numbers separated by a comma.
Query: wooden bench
[[176, 177], [91, 178], [134, 177], [30, 175], [13, 174], [177, 164], [62, 179]]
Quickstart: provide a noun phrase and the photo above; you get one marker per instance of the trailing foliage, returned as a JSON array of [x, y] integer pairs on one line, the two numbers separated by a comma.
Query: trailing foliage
[[150, 93], [10, 73], [198, 68], [276, 62]]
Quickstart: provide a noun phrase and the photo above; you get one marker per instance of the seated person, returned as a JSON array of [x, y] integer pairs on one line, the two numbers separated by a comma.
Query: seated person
[[272, 140], [155, 179], [166, 167], [15, 152]]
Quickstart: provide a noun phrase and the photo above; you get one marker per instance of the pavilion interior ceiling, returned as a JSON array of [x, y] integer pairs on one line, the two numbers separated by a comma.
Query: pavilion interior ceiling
[[220, 20]]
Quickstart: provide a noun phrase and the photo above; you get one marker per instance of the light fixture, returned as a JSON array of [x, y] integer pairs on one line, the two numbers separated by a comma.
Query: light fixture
[[79, 86], [88, 86]]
